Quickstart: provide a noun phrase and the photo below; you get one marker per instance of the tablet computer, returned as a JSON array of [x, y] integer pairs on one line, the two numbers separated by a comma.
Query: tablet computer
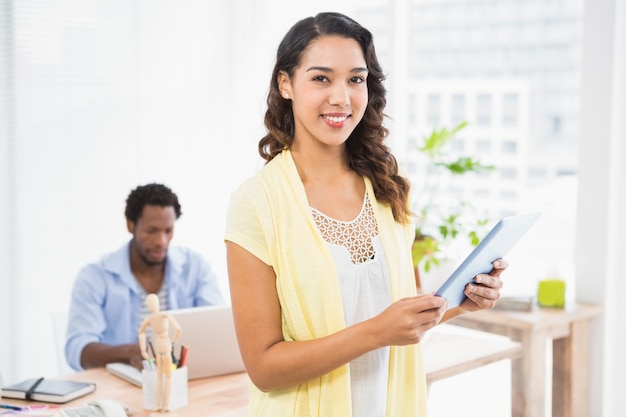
[[500, 239]]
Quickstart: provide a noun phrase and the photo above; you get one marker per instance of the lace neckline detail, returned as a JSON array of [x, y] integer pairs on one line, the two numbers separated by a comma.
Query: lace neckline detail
[[355, 235]]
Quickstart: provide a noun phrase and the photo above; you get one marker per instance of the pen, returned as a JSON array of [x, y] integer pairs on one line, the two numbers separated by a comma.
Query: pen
[[180, 356], [152, 349], [183, 357], [11, 407]]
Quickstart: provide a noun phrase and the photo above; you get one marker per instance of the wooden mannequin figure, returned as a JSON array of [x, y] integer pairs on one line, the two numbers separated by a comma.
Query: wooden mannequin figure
[[160, 322]]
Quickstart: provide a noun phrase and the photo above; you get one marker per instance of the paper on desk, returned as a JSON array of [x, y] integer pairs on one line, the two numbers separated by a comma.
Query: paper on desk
[[35, 411]]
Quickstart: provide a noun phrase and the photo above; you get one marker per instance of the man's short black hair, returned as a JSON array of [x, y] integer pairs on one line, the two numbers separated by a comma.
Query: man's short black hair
[[150, 194]]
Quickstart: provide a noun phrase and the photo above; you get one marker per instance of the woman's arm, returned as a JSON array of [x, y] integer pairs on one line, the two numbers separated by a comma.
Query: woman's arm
[[273, 363]]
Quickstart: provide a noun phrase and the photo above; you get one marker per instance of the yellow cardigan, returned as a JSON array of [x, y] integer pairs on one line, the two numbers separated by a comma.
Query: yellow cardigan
[[270, 217]]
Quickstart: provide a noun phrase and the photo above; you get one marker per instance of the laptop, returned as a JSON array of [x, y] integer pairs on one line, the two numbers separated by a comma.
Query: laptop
[[209, 334]]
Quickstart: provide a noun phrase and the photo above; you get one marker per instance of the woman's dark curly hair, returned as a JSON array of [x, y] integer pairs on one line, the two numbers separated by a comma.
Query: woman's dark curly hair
[[150, 194], [367, 153]]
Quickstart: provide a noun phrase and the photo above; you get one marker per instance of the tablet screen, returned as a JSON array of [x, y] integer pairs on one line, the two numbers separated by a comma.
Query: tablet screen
[[495, 245]]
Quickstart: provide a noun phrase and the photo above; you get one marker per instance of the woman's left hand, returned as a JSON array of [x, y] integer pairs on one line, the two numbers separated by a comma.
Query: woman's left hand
[[483, 293]]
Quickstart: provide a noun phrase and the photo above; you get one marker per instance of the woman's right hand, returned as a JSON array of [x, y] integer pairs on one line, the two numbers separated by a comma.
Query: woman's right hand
[[407, 320]]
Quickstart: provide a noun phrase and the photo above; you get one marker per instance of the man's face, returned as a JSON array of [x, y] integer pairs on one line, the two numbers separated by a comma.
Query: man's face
[[153, 232]]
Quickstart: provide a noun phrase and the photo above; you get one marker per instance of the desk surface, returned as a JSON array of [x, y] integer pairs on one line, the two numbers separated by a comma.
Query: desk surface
[[555, 322], [448, 350], [221, 396], [538, 317], [568, 330]]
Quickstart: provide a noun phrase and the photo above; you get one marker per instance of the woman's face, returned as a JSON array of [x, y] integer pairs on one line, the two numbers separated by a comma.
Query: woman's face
[[328, 91]]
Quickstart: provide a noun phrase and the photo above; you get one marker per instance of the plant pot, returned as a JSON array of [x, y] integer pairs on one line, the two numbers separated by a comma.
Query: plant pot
[[418, 281]]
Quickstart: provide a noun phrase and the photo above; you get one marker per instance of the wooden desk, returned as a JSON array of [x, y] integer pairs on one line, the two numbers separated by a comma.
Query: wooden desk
[[568, 329], [448, 351], [221, 396]]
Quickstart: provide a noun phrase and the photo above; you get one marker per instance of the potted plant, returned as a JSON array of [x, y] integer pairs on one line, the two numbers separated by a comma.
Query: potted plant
[[438, 230]]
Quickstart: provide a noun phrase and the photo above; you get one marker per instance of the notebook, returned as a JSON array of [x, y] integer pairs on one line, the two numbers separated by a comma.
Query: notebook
[[48, 390], [209, 335]]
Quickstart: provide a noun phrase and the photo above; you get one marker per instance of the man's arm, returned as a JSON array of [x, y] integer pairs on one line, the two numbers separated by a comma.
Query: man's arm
[[96, 355], [95, 296], [86, 322]]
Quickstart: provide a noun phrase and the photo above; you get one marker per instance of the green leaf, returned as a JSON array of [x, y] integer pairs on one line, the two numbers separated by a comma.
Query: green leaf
[[473, 236], [434, 144], [464, 165]]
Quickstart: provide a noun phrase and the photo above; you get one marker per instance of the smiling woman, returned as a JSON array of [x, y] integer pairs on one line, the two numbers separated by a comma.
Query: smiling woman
[[319, 242]]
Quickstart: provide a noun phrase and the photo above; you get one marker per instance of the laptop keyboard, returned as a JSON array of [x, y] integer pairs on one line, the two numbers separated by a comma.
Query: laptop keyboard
[[85, 411]]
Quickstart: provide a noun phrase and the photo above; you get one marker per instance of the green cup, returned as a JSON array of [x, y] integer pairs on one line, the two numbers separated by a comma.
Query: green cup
[[551, 293]]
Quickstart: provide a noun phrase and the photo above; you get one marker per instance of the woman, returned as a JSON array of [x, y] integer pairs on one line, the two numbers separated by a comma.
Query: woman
[[318, 242]]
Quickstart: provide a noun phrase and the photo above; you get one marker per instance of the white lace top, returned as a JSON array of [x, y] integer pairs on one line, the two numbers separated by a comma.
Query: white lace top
[[365, 290]]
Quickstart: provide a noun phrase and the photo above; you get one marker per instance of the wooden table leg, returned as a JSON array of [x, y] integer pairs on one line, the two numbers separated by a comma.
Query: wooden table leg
[[528, 378], [570, 372]]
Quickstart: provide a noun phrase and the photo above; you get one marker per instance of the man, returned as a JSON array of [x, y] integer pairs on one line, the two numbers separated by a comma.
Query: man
[[108, 298]]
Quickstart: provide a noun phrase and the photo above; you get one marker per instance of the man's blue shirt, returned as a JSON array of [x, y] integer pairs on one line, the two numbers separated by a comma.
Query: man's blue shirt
[[107, 299]]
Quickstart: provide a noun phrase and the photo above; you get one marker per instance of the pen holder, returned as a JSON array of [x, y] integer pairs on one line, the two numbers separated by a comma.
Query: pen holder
[[178, 389]]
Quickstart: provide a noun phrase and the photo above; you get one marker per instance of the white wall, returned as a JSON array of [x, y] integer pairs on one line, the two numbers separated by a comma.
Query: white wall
[[601, 227]]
